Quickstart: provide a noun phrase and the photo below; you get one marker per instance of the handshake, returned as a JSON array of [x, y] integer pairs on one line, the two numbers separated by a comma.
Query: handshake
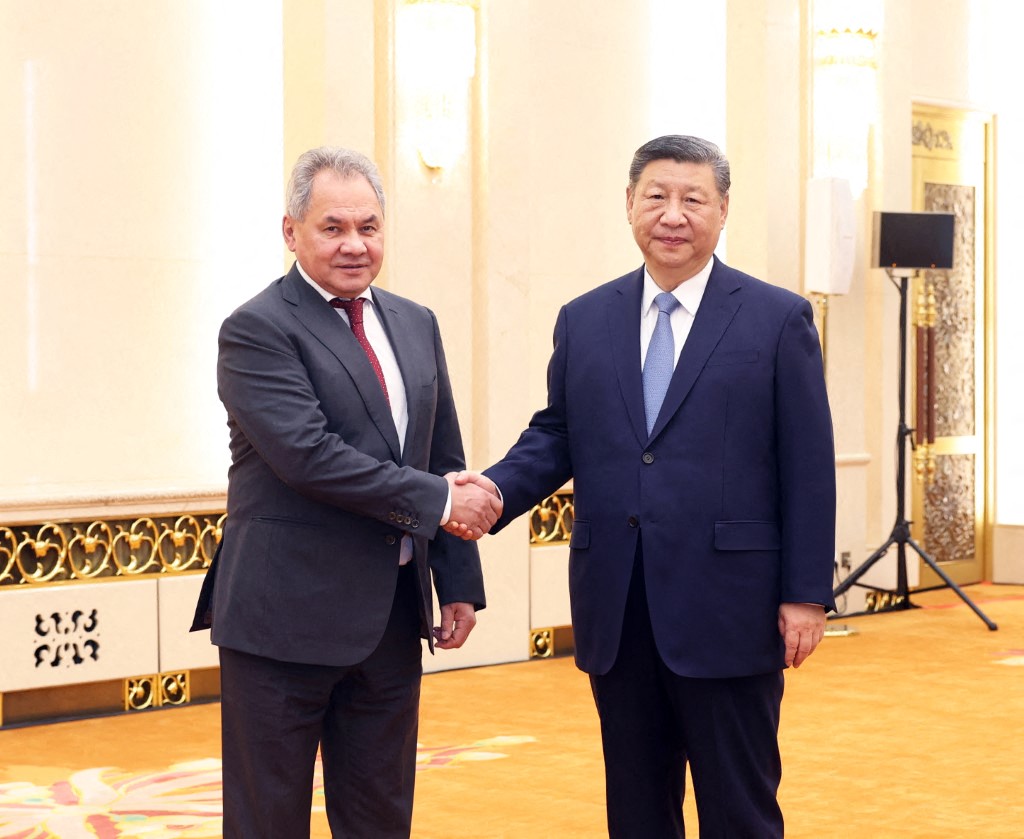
[[476, 504]]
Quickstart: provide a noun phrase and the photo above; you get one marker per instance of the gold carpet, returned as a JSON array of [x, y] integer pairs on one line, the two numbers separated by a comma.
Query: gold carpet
[[912, 727]]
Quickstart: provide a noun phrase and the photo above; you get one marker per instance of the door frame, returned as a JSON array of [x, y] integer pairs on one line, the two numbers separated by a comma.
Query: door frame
[[964, 138]]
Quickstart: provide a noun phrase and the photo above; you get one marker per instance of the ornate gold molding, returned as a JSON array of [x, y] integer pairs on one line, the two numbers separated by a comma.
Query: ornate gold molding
[[925, 135], [60, 552], [542, 643], [551, 520], [144, 692]]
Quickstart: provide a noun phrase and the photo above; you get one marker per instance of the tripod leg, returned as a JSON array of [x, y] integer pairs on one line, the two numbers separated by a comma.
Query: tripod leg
[[935, 567], [859, 571]]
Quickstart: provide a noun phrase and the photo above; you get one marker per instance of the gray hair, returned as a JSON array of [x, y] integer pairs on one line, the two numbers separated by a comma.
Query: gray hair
[[344, 162], [682, 149]]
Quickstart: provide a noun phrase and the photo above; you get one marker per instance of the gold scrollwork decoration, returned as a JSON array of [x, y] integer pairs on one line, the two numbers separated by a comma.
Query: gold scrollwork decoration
[[40, 558], [60, 552], [209, 538], [135, 547], [89, 551], [174, 689], [880, 601], [925, 135], [542, 644], [179, 546], [8, 548], [551, 520], [140, 693]]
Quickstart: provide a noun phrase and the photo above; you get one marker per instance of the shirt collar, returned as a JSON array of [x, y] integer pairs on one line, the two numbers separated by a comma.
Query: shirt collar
[[689, 293], [323, 292]]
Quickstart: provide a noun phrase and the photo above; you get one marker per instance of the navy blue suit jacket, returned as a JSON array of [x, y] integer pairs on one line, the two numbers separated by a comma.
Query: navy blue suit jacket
[[732, 494]]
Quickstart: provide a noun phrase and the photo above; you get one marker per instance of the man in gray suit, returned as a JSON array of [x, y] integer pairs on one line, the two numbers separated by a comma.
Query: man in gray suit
[[344, 438]]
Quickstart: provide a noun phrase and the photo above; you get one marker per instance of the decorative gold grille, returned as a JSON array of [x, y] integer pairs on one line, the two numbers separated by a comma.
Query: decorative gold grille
[[55, 552], [144, 692], [551, 520]]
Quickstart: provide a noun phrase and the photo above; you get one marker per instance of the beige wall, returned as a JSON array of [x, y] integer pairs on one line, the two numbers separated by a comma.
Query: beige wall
[[140, 198], [139, 183]]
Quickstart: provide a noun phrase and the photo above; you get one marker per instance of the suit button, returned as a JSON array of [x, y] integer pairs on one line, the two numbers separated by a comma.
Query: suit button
[[406, 520], [632, 521], [389, 539], [415, 522], [391, 516], [648, 457]]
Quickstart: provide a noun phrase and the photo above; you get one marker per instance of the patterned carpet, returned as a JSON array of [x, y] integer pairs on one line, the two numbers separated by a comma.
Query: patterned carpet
[[910, 726], [183, 800]]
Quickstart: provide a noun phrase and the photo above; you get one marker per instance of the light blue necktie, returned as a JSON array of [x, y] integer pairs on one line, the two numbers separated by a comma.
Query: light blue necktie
[[660, 359]]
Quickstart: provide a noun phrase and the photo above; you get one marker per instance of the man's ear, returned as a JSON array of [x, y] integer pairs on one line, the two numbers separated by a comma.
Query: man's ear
[[288, 231]]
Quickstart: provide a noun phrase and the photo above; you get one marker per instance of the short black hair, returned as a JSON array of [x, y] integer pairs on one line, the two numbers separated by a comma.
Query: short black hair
[[682, 149]]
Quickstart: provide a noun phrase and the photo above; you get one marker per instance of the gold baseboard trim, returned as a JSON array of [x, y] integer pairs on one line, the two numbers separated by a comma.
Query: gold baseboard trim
[[94, 699], [551, 642]]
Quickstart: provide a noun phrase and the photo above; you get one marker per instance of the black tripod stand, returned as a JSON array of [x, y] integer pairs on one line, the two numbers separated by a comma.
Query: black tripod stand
[[900, 536]]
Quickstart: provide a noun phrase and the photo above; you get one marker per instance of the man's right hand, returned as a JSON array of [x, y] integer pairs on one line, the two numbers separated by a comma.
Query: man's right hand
[[476, 505]]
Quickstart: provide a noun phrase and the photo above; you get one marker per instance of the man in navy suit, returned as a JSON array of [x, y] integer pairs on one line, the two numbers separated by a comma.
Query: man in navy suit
[[344, 444], [686, 401]]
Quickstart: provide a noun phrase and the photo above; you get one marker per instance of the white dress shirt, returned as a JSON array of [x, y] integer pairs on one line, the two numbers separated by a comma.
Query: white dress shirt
[[689, 294]]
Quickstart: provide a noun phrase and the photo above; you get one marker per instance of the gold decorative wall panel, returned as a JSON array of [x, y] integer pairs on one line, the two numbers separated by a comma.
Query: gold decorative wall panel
[[955, 322], [952, 156], [75, 551], [949, 509], [924, 134], [62, 640], [551, 520]]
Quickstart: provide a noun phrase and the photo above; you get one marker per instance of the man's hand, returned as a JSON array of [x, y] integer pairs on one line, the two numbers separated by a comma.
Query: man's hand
[[475, 508], [802, 625], [460, 527], [457, 621]]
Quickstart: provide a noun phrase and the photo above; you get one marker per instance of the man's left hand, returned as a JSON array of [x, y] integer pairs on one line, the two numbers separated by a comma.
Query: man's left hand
[[802, 625], [457, 621]]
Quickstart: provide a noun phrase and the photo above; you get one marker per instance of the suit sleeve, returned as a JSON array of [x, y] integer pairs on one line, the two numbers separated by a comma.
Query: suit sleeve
[[267, 391], [454, 563], [806, 457], [540, 462]]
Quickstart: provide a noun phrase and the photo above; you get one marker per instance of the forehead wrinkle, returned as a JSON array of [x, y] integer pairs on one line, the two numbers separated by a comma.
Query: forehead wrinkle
[[336, 219]]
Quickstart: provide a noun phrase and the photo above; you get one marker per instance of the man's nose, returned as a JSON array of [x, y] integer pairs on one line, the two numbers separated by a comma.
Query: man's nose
[[673, 214], [352, 242]]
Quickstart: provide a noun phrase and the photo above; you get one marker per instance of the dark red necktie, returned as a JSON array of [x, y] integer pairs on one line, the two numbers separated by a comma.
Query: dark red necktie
[[354, 310]]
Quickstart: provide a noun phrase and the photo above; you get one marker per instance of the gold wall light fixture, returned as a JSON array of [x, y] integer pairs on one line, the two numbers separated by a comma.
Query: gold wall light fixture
[[436, 60], [845, 87]]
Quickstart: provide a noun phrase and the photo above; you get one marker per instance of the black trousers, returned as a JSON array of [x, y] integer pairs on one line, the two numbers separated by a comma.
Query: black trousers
[[654, 721], [364, 719]]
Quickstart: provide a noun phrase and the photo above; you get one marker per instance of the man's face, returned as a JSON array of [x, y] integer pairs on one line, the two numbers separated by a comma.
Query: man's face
[[677, 216], [340, 242]]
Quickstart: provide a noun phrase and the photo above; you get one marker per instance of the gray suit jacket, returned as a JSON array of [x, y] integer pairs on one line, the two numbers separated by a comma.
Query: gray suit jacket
[[319, 491]]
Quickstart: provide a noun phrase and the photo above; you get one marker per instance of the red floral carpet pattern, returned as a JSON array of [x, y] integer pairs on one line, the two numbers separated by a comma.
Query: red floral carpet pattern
[[183, 801]]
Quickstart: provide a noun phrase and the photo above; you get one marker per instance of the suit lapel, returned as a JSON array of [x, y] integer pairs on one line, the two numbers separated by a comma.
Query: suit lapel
[[624, 330], [323, 322], [408, 355], [717, 308]]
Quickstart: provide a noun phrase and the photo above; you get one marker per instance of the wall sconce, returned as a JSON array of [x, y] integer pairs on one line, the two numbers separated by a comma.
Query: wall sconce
[[845, 87], [830, 241], [436, 58]]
